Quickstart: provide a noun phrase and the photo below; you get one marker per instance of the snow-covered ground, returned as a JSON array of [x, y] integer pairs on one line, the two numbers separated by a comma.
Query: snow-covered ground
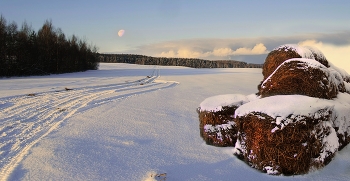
[[125, 122]]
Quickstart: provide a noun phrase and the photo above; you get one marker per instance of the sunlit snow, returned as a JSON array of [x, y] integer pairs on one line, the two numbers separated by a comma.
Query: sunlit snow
[[131, 122]]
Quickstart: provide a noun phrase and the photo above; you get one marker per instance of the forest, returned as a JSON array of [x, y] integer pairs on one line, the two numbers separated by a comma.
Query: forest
[[24, 52], [186, 62]]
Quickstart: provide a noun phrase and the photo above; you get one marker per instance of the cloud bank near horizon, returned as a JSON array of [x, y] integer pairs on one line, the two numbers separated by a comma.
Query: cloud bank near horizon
[[335, 46], [216, 52]]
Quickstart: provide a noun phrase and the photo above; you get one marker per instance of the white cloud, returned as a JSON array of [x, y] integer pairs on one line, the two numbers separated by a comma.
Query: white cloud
[[338, 55], [182, 53], [187, 52], [170, 53], [256, 50], [259, 49], [220, 52]]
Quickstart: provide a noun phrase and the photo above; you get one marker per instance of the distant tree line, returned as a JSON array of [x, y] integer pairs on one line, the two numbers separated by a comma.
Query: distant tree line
[[187, 62], [26, 52]]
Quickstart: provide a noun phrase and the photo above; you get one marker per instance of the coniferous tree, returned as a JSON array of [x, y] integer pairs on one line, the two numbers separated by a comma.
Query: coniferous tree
[[3, 64], [25, 52], [11, 40], [22, 53], [46, 44]]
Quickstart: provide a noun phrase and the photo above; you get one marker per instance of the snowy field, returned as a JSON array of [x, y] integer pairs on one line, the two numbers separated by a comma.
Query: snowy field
[[125, 122]]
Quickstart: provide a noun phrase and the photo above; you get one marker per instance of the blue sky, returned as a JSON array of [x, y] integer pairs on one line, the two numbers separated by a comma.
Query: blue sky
[[220, 29]]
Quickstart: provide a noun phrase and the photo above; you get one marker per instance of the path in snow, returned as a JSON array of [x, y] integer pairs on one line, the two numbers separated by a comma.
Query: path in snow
[[26, 119]]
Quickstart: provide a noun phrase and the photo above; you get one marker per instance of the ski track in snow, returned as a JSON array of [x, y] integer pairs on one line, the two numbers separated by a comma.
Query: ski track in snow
[[26, 119]]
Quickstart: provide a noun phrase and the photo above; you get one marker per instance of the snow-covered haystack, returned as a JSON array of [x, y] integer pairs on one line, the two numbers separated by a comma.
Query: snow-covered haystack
[[218, 128], [285, 52], [318, 56], [294, 135], [216, 113], [304, 77], [343, 73], [296, 123]]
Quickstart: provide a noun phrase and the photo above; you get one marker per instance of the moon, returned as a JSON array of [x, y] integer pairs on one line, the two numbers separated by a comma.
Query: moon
[[121, 33]]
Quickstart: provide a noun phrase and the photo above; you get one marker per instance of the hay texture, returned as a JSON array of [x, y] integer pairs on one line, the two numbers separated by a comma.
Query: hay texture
[[343, 73], [318, 56], [216, 113], [285, 52], [297, 121], [304, 77], [293, 150], [218, 128], [291, 141]]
